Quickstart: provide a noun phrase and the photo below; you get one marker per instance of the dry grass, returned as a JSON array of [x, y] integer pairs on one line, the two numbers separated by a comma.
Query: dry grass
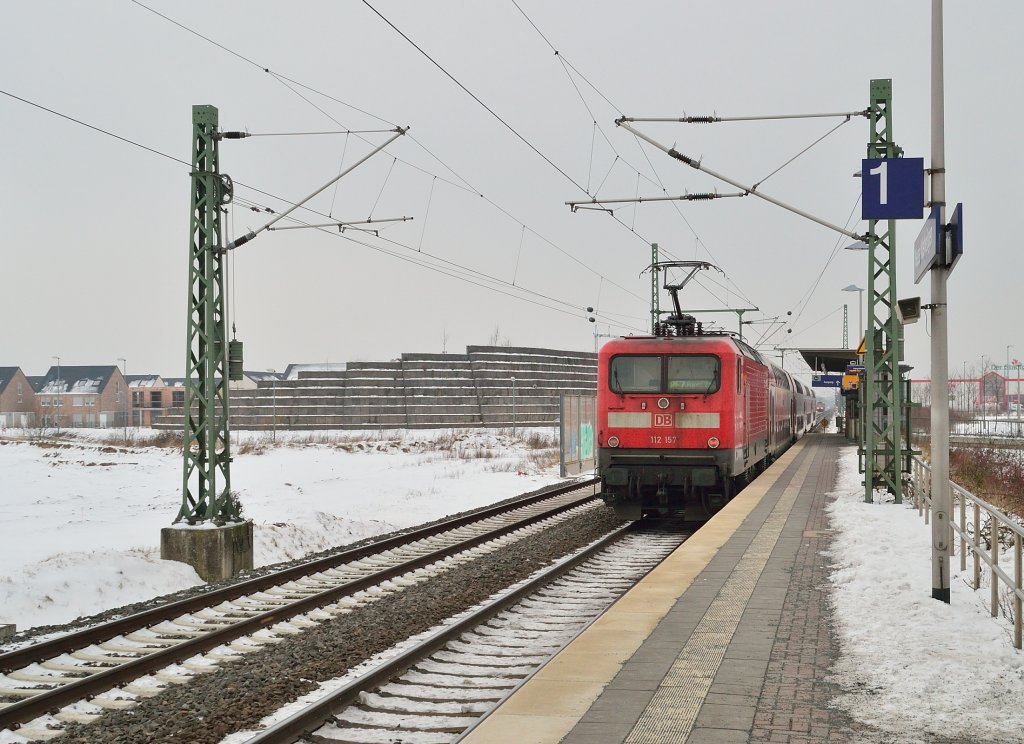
[[995, 475]]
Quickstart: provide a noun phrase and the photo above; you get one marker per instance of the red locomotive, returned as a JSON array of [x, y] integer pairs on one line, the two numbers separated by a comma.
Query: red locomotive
[[686, 418]]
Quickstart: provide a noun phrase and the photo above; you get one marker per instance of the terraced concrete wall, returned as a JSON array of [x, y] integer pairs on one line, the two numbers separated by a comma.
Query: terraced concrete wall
[[420, 391]]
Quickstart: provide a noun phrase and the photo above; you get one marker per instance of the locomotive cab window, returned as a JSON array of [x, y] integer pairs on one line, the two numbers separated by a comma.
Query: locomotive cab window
[[635, 374], [693, 374]]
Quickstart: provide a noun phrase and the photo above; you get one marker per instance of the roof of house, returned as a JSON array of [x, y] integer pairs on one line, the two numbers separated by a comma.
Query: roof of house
[[36, 381], [141, 381], [77, 379], [260, 375], [6, 375]]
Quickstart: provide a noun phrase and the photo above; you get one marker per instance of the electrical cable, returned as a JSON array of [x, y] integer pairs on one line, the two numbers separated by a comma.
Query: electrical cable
[[258, 66], [470, 189], [267, 209], [472, 95]]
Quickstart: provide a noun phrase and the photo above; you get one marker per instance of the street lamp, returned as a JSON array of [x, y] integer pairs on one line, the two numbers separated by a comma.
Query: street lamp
[[60, 397], [1006, 381], [860, 306], [513, 406], [273, 404], [127, 393]]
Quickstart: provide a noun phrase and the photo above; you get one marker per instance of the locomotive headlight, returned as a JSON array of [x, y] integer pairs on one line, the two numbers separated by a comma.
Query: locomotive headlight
[[713, 442], [613, 441], [663, 403]]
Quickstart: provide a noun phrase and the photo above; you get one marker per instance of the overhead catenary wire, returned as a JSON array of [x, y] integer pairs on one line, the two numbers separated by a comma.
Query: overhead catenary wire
[[466, 274], [566, 66], [466, 186], [287, 214]]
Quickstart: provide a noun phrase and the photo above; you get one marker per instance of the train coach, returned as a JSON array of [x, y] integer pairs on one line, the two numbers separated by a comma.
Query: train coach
[[684, 421]]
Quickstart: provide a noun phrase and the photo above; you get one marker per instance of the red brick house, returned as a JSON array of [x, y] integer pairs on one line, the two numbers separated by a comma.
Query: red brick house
[[95, 396], [153, 396], [17, 399]]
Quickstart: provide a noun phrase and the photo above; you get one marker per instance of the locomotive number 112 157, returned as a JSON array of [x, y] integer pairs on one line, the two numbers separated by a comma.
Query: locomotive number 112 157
[[666, 439]]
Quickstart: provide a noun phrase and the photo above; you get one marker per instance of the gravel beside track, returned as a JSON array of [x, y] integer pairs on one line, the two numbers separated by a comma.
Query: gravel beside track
[[238, 694]]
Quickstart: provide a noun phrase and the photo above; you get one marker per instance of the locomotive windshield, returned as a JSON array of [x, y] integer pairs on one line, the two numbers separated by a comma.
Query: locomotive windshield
[[656, 374], [635, 374], [693, 374]]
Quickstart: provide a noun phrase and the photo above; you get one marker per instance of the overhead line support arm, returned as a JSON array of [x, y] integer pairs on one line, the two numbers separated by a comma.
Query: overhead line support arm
[[672, 152], [399, 131]]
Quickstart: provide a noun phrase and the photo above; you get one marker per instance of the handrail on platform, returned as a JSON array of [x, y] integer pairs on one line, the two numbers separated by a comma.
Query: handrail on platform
[[970, 539]]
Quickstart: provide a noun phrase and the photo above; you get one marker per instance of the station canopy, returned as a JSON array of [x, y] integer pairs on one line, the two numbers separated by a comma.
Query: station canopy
[[829, 360]]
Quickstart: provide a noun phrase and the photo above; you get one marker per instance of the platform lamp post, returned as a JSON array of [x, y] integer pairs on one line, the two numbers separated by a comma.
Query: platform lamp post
[[273, 405], [127, 393]]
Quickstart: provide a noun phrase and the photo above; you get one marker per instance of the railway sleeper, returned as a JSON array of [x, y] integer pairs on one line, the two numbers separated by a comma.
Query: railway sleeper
[[437, 694], [397, 722]]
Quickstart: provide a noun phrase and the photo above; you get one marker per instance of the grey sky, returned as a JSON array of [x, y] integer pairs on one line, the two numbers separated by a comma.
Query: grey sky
[[96, 236]]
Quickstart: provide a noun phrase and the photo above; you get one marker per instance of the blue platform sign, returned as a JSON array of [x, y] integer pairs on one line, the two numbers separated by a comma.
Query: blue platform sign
[[832, 381], [892, 189]]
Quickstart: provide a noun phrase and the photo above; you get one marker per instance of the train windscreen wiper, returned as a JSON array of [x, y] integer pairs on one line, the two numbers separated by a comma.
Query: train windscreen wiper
[[618, 385], [714, 381]]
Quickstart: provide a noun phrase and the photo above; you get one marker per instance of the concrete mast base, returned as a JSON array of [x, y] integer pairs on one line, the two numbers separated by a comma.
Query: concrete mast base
[[215, 553]]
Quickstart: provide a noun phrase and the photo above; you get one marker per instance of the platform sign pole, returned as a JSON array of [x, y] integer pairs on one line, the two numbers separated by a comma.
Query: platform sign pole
[[941, 497], [881, 445]]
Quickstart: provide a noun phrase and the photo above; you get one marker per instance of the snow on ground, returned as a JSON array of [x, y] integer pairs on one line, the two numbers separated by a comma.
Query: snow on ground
[[910, 663], [80, 521], [80, 526]]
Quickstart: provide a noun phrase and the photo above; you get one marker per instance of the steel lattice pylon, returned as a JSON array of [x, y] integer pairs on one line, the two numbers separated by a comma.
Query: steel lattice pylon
[[655, 299], [881, 455], [205, 442]]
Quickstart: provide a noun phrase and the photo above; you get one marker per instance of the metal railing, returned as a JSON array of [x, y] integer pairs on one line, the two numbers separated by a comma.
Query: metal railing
[[969, 534]]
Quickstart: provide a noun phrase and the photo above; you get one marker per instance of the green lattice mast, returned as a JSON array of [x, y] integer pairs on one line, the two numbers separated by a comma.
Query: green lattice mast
[[205, 441], [881, 453], [655, 297]]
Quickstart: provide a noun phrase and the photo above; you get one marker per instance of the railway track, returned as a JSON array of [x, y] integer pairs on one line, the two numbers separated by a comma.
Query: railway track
[[442, 686], [43, 686]]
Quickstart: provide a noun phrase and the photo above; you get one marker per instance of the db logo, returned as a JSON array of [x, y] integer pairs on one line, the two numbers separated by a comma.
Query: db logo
[[663, 419]]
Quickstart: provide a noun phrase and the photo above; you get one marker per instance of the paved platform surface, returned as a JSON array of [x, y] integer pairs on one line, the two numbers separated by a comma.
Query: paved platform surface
[[728, 641]]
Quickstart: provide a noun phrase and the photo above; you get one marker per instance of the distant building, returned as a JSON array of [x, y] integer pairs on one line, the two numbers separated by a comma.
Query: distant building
[[291, 372], [90, 396], [250, 380], [152, 395], [17, 399]]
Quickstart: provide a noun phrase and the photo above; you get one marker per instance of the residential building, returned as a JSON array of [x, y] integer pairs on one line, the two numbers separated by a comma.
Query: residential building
[[17, 399], [89, 396]]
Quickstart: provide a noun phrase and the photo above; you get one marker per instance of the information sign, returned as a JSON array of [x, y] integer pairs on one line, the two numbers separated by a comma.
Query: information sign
[[830, 381], [928, 246], [892, 189]]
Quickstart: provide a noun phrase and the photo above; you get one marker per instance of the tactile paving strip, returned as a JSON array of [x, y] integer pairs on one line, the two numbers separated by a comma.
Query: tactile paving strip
[[669, 717]]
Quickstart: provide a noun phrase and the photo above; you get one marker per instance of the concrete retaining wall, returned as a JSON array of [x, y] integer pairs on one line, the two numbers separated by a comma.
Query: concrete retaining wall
[[426, 391]]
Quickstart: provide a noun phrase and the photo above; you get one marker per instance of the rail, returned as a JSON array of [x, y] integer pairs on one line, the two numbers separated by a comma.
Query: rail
[[969, 535]]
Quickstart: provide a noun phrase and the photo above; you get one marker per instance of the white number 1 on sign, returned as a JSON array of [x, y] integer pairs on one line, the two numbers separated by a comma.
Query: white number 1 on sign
[[883, 185]]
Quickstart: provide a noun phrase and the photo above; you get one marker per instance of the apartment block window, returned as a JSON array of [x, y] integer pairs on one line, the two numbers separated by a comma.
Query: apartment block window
[[91, 401], [137, 398], [77, 401], [20, 398], [178, 398], [117, 391], [156, 399], [44, 402]]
